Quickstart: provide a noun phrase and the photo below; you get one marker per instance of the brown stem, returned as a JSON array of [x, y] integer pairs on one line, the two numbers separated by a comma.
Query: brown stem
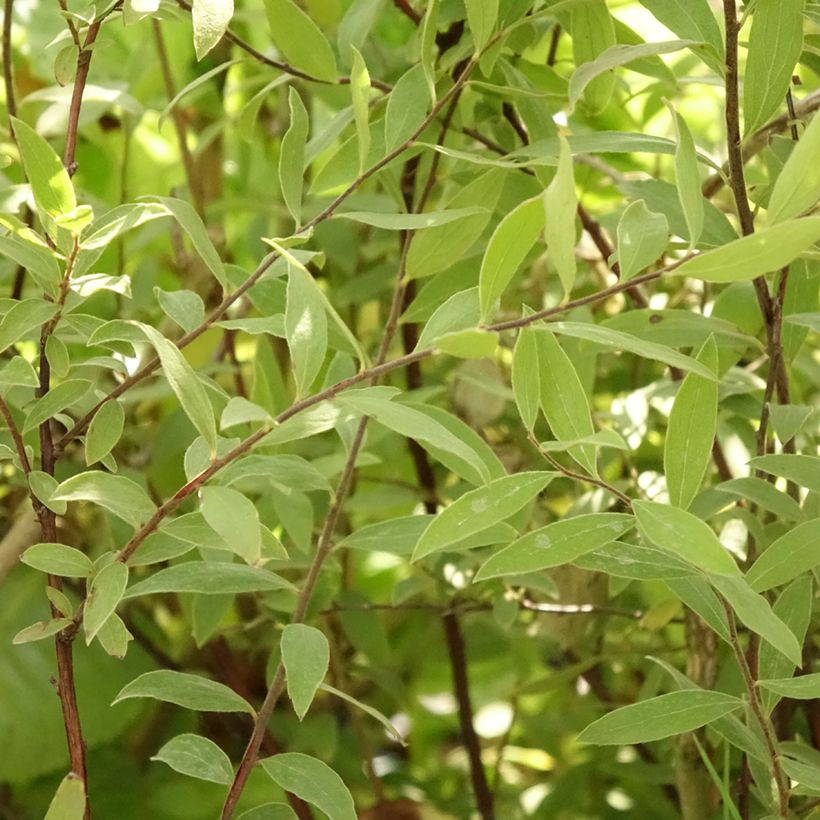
[[8, 61], [407, 10], [83, 64], [16, 436], [458, 666], [555, 38]]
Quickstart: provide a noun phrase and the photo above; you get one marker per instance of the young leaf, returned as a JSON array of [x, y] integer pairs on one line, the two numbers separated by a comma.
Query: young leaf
[[481, 18], [41, 630], [406, 107], [478, 509], [301, 40], [104, 593], [510, 243], [116, 493], [68, 802], [189, 691], [526, 382], [185, 383], [767, 250], [775, 43], [211, 19], [683, 534], [593, 33], [687, 179], [235, 518], [691, 431], [360, 96], [292, 156], [792, 554], [104, 431], [558, 543], [560, 204], [375, 713], [208, 578], [801, 469], [58, 559], [305, 327], [306, 656], [196, 756], [50, 184], [313, 781], [797, 186], [428, 42], [642, 238], [659, 717]]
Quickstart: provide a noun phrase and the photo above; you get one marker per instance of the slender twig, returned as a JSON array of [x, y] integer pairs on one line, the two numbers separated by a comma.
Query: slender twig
[[8, 60], [16, 436], [80, 78]]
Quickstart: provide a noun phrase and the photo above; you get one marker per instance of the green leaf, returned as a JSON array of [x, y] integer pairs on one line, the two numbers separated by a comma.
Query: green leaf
[[301, 40], [792, 554], [189, 691], [526, 380], [58, 559], [235, 518], [57, 399], [788, 419], [804, 687], [313, 781], [683, 534], [687, 179], [508, 246], [410, 222], [696, 593], [18, 373], [396, 535], [375, 713], [691, 431], [775, 43], [751, 256], [801, 469], [185, 307], [23, 317], [558, 543], [269, 811], [50, 183], [114, 637], [37, 259], [468, 344], [563, 399], [797, 187], [118, 494], [764, 495], [659, 717], [208, 578], [755, 612], [478, 509], [305, 327], [636, 562], [459, 312], [196, 756], [481, 18], [43, 486], [68, 802], [360, 98], [41, 630], [642, 238], [593, 33], [407, 107], [211, 19], [104, 593], [104, 431], [560, 204], [292, 156], [305, 656], [241, 411], [185, 383], [429, 26], [691, 20]]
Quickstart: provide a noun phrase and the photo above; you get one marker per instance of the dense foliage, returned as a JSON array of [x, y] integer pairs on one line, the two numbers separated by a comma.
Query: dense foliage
[[409, 409]]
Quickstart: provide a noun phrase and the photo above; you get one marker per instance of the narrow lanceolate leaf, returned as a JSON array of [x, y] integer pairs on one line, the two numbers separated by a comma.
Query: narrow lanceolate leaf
[[802, 470], [804, 687], [563, 399], [558, 543], [196, 756], [185, 383], [560, 204], [660, 717], [481, 18], [104, 431], [210, 18], [768, 250], [642, 238], [478, 509], [526, 382], [54, 401], [208, 578], [775, 43], [41, 630], [682, 533], [406, 108], [305, 327], [50, 184], [428, 43], [691, 431], [300, 39], [508, 246], [104, 593], [292, 156], [189, 691], [118, 494], [313, 781], [68, 802], [23, 317], [687, 179], [797, 187], [374, 713], [792, 554], [235, 518], [765, 495], [691, 20], [306, 656], [360, 97], [58, 559], [593, 33]]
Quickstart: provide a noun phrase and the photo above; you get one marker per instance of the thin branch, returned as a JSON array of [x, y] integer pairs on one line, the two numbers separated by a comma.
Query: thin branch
[[16, 436], [80, 78], [8, 61]]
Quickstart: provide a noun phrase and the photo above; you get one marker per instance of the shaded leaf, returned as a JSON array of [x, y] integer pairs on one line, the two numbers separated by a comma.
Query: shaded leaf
[[196, 756]]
